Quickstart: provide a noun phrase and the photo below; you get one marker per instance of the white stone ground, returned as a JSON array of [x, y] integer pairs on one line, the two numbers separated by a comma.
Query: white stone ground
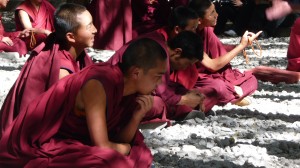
[[263, 134]]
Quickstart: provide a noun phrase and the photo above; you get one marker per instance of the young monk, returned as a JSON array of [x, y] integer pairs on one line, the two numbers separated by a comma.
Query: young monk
[[216, 79], [62, 54], [172, 100], [36, 18], [9, 41], [78, 122]]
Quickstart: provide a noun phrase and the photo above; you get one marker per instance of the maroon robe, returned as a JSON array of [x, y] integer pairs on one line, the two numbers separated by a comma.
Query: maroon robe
[[42, 19], [293, 54], [49, 134], [18, 46], [113, 20], [40, 71], [168, 93], [218, 87]]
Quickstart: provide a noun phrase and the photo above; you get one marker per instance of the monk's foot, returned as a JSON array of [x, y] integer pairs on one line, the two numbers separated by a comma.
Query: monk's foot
[[210, 112], [244, 102], [194, 114], [154, 125]]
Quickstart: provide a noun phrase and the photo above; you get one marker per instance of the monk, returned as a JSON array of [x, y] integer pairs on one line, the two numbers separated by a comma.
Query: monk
[[216, 79], [36, 18], [172, 100], [9, 41], [78, 122], [62, 54], [113, 19]]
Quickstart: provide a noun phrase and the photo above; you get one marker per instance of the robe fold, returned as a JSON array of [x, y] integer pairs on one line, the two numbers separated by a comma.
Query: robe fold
[[40, 72], [218, 87], [41, 19], [113, 20], [48, 133], [18, 45], [293, 54], [168, 93]]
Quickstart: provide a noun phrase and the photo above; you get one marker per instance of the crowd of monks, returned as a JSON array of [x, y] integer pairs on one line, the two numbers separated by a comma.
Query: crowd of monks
[[66, 111]]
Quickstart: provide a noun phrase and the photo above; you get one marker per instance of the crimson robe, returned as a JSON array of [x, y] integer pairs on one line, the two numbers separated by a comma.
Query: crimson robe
[[113, 20], [42, 19], [40, 71], [168, 93], [293, 54], [49, 134], [218, 87], [18, 46]]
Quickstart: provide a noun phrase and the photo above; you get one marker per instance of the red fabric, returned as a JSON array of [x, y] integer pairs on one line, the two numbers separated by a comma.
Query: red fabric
[[148, 17], [218, 87], [40, 71], [36, 138], [113, 20], [275, 75], [168, 92], [293, 54], [18, 46], [42, 19]]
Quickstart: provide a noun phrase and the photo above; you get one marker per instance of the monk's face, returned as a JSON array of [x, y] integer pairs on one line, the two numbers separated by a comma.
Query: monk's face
[[85, 34], [3, 3], [210, 17], [148, 80], [192, 25], [178, 62]]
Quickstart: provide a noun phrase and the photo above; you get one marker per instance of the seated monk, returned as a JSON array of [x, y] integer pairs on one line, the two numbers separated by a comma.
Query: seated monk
[[9, 41], [34, 17], [63, 53], [215, 77], [78, 122]]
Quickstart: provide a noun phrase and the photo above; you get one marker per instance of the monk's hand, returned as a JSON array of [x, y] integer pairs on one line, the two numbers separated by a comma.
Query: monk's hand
[[248, 38], [123, 148], [7, 41], [192, 99], [279, 9], [25, 33], [145, 104]]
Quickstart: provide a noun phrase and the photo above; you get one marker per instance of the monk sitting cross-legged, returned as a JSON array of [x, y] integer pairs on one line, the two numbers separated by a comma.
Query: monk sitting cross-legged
[[9, 41], [62, 54]]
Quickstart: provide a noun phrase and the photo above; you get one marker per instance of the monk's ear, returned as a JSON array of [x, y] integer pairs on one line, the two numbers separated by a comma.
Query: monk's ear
[[200, 21], [177, 29], [70, 37], [178, 51], [134, 72]]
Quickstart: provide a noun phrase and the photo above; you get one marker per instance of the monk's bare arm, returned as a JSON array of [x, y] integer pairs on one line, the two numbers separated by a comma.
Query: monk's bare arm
[[25, 20], [217, 63], [145, 102], [63, 73], [94, 100]]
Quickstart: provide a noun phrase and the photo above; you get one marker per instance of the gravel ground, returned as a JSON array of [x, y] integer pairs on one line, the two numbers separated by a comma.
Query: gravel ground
[[263, 134]]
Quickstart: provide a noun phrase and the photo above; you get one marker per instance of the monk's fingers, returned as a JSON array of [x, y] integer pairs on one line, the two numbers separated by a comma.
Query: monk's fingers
[[145, 101]]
